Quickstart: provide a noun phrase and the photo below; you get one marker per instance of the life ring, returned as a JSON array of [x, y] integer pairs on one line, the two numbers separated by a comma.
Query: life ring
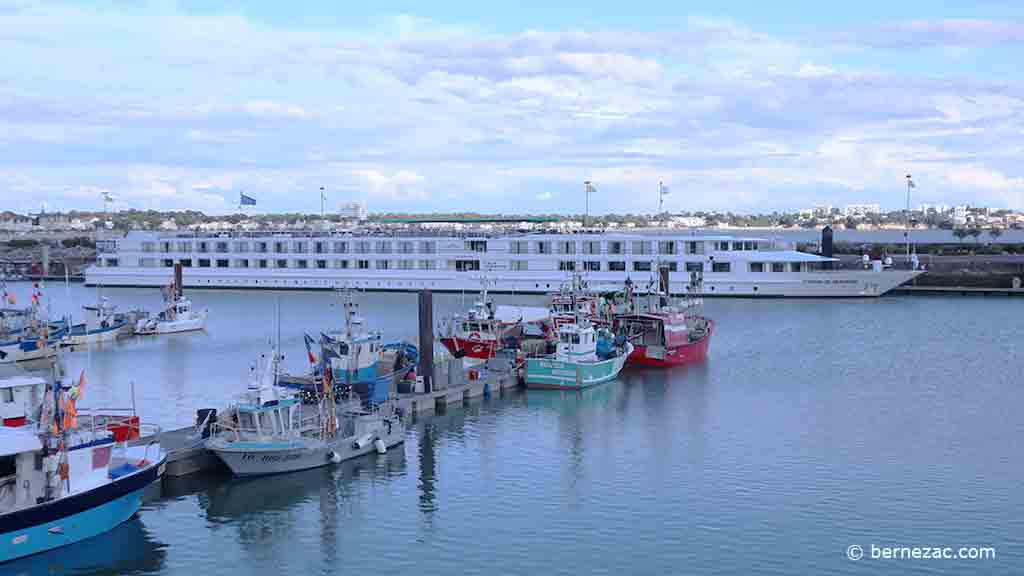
[[477, 349], [474, 336]]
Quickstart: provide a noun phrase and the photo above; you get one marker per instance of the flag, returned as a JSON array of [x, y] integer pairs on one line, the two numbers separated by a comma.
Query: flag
[[244, 200], [70, 414], [309, 348], [662, 188], [910, 182], [323, 195], [588, 187]]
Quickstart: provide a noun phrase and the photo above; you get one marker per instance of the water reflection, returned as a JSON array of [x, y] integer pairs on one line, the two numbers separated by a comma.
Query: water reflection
[[128, 548]]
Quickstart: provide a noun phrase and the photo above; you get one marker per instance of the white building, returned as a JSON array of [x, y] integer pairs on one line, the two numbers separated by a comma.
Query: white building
[[689, 221], [861, 210], [352, 210]]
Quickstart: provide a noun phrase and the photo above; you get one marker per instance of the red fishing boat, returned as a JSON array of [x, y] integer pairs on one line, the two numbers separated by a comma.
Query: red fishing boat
[[666, 333], [487, 328]]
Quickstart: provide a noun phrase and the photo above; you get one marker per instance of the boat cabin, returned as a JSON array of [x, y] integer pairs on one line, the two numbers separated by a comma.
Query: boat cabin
[[576, 342], [20, 397]]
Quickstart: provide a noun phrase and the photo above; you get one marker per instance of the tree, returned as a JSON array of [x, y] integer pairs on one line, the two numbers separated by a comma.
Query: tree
[[960, 233], [851, 223], [974, 232], [995, 232]]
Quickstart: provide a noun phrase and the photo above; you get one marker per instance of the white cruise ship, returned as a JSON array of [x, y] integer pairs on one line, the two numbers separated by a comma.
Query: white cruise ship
[[512, 262]]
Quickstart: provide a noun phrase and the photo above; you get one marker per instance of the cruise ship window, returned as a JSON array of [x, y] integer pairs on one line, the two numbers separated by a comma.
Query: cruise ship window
[[694, 266], [592, 266], [202, 247], [543, 247], [204, 263], [642, 266], [615, 247], [795, 266], [748, 245], [168, 263], [222, 247], [757, 266], [616, 266], [778, 267], [567, 265], [341, 247], [318, 247], [282, 263], [186, 262], [222, 263], [241, 263], [321, 264], [672, 266], [261, 247], [262, 264], [184, 246], [302, 264], [363, 264], [720, 267]]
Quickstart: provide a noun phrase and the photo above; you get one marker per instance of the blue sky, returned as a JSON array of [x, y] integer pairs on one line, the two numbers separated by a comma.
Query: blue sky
[[743, 106]]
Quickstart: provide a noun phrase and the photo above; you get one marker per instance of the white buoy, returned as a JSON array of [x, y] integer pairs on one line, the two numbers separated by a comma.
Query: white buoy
[[335, 457], [380, 446]]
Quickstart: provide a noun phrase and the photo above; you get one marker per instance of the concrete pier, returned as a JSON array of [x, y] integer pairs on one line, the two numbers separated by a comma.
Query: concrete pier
[[445, 383]]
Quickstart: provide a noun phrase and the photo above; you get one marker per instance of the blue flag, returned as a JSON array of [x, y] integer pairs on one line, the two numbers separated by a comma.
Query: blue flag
[[246, 200]]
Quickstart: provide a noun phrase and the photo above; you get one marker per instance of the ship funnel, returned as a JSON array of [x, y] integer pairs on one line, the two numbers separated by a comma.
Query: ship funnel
[[664, 288], [826, 245], [177, 280]]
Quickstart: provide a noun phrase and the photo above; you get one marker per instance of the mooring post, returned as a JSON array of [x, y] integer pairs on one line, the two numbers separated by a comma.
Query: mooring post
[[426, 368]]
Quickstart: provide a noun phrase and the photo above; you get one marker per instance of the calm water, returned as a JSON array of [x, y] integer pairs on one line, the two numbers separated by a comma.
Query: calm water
[[814, 425]]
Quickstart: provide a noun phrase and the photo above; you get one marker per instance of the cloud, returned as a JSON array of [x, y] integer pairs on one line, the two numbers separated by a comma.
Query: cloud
[[938, 32], [172, 109], [403, 184]]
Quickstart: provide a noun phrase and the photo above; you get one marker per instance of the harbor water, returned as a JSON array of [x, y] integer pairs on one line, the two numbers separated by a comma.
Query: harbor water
[[813, 426]]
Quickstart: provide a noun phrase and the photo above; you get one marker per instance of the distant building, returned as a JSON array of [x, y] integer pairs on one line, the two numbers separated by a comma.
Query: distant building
[[352, 210], [861, 210], [689, 221]]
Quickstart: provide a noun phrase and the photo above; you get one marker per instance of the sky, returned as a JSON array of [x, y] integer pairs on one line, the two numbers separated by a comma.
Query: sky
[[739, 106]]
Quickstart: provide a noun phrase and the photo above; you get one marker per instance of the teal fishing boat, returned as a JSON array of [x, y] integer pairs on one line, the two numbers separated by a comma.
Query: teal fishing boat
[[584, 356]]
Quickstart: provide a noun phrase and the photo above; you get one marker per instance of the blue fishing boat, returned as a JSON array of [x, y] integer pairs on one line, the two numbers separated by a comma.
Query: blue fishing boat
[[583, 357], [102, 323], [358, 360], [34, 338], [61, 482]]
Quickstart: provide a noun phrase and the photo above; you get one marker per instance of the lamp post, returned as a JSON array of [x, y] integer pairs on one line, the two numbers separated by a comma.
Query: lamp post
[[588, 189]]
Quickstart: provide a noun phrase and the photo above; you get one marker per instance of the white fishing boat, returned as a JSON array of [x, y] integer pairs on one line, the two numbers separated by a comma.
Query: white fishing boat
[[102, 324], [177, 315], [268, 431], [69, 475]]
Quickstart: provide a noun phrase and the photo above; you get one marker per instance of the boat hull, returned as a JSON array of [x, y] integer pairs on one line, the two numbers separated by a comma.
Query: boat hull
[[549, 373], [481, 350], [16, 352], [172, 326], [80, 335], [663, 357], [74, 518], [256, 459]]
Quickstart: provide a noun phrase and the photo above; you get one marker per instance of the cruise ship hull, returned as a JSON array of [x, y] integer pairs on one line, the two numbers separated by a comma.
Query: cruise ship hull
[[818, 284]]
